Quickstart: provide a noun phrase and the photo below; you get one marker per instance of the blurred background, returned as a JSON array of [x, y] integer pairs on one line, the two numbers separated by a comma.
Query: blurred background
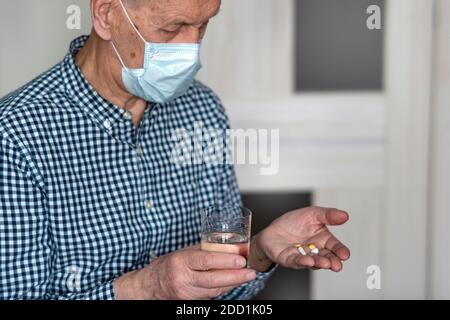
[[363, 114]]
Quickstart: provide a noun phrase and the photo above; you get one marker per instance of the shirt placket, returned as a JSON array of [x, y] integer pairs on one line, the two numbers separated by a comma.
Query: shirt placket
[[146, 201]]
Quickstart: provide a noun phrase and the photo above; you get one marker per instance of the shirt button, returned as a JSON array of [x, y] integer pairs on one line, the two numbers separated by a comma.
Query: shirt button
[[127, 115], [153, 255], [107, 124], [148, 204], [139, 151]]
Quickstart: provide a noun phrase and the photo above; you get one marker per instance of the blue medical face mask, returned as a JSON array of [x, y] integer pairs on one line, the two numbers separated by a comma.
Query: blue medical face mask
[[168, 71]]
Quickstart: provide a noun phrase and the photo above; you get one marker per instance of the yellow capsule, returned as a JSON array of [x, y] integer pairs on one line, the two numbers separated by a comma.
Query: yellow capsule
[[298, 245], [312, 246]]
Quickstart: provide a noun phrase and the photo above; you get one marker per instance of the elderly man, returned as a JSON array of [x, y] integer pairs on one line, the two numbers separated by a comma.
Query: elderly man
[[91, 206]]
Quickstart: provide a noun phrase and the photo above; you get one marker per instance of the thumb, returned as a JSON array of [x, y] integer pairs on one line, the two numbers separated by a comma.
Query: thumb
[[332, 217]]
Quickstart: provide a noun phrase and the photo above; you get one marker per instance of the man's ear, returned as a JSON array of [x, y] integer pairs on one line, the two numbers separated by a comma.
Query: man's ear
[[101, 14]]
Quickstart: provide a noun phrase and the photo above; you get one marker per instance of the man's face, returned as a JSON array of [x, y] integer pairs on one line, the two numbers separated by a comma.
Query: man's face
[[176, 21], [159, 21]]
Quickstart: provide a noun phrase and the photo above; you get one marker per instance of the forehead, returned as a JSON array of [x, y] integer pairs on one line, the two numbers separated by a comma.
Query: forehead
[[180, 11]]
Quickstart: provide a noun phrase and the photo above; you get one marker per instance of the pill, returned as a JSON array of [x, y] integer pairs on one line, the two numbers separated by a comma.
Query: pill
[[302, 251], [315, 251], [312, 246], [299, 245]]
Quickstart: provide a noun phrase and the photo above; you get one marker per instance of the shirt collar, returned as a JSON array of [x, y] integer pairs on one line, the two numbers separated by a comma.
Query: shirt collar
[[84, 95]]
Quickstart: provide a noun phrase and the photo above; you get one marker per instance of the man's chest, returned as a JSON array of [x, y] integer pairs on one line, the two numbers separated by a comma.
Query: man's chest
[[113, 200]]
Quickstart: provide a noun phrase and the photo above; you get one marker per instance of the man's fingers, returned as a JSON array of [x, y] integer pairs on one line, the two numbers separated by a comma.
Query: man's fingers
[[225, 290], [322, 262], [291, 258], [332, 217], [315, 261], [207, 294], [223, 278], [336, 264], [325, 260], [287, 258], [335, 246], [202, 261], [303, 262]]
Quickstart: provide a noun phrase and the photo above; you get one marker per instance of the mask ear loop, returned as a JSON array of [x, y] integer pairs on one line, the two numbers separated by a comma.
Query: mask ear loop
[[131, 21], [118, 55]]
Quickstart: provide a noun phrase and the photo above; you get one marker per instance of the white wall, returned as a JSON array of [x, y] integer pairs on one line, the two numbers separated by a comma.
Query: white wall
[[412, 232], [248, 60], [248, 50], [408, 85], [363, 235], [34, 37], [439, 193]]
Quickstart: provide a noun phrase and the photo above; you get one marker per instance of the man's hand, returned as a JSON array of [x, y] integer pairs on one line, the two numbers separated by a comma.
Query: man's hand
[[277, 242], [188, 274]]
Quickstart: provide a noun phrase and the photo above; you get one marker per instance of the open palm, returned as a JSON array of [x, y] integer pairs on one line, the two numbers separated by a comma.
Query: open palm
[[307, 225]]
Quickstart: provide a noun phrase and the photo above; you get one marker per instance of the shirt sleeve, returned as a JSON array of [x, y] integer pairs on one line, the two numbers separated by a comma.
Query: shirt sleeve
[[102, 292], [249, 290], [25, 242]]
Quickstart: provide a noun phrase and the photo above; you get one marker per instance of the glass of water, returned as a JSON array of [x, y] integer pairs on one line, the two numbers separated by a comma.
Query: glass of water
[[226, 229]]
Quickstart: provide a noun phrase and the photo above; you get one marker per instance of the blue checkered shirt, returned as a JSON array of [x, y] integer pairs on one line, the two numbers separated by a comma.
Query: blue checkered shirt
[[86, 197]]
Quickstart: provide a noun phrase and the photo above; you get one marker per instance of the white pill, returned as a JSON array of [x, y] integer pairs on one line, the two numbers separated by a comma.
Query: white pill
[[302, 251]]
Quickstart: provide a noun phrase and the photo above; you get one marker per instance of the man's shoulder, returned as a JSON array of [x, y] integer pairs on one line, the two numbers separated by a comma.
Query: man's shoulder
[[31, 100], [201, 94]]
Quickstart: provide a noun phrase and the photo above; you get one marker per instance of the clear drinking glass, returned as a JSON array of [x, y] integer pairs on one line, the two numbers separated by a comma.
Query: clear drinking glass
[[226, 229]]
